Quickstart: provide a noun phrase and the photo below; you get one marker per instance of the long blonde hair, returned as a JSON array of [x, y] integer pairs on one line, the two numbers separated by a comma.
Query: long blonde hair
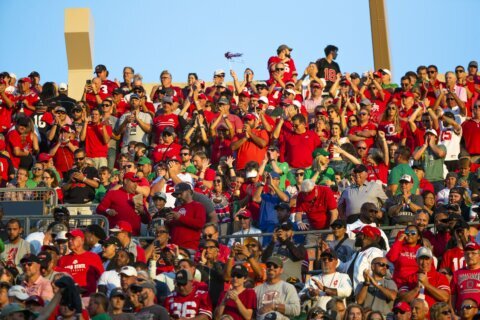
[[396, 118]]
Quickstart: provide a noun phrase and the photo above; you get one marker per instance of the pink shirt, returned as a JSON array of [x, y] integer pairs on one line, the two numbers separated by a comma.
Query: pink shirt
[[41, 287]]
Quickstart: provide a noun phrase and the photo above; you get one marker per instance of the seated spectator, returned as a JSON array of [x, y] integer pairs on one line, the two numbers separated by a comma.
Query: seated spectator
[[244, 217], [123, 231]]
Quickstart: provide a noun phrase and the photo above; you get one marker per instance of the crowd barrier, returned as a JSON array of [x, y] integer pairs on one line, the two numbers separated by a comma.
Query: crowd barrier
[[34, 201]]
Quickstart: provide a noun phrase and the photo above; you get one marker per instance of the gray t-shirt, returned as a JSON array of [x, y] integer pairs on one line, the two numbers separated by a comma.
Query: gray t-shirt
[[133, 131], [154, 312], [279, 293], [376, 300]]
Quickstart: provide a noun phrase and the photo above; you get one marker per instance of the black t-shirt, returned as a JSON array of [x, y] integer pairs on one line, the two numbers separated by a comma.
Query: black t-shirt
[[328, 71], [80, 192]]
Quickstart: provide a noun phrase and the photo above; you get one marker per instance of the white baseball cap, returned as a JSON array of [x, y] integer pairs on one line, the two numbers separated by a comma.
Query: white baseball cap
[[129, 271], [18, 292]]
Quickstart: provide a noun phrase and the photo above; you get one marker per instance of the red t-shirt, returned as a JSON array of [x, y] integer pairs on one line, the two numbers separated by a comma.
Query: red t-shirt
[[63, 158], [249, 151], [122, 202], [189, 306], [299, 147], [14, 140], [162, 152], [391, 134], [185, 232], [378, 105], [379, 172], [221, 149], [122, 107], [95, 146], [454, 259], [85, 268], [435, 278], [426, 185], [317, 204], [368, 126], [249, 299], [290, 69], [31, 98], [162, 121], [108, 86], [465, 285], [6, 114], [404, 259], [471, 132]]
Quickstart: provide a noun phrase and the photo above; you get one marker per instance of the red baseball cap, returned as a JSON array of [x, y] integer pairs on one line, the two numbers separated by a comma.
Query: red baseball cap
[[245, 94], [122, 225], [287, 102], [369, 231], [25, 79], [202, 96], [174, 158], [402, 306], [244, 213], [75, 233], [44, 157], [472, 246], [132, 177]]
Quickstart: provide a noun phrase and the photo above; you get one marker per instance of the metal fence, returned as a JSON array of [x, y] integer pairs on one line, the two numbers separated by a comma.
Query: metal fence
[[34, 201]]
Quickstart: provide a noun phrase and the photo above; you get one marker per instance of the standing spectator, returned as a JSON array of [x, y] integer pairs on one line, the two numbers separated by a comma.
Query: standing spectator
[[271, 163], [79, 184], [454, 257], [244, 216], [428, 284], [134, 125], [84, 266], [319, 206], [211, 269], [327, 68], [321, 288], [432, 156], [359, 192], [275, 295], [402, 167], [365, 131], [186, 220], [299, 143], [27, 97], [252, 143], [166, 119], [471, 130], [283, 56], [237, 302], [15, 246], [188, 299], [63, 99], [22, 143], [96, 135], [166, 148], [465, 283], [378, 291], [107, 86], [123, 231], [124, 204]]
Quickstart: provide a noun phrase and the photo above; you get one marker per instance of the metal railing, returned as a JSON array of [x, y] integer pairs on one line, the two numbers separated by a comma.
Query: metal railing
[[40, 200], [29, 222]]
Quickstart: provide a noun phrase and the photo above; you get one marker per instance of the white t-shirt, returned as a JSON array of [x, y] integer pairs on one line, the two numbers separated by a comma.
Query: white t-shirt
[[133, 131], [451, 140], [110, 279], [336, 280]]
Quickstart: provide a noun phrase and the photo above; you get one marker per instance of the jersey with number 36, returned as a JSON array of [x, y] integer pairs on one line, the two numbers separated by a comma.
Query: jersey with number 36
[[196, 303]]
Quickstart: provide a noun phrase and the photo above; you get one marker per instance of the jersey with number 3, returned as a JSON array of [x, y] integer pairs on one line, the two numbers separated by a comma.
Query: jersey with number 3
[[108, 86], [196, 303]]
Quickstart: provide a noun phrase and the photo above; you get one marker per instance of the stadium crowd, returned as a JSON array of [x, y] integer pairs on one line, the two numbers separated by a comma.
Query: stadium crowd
[[260, 199]]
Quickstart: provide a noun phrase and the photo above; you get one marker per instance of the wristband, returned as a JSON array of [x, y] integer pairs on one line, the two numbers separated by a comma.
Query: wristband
[[366, 284], [84, 179]]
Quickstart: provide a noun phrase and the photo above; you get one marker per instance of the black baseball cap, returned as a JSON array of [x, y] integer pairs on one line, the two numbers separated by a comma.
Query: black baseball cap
[[360, 168], [339, 222], [182, 277], [111, 240], [30, 258], [97, 231], [117, 292], [329, 253], [100, 68], [282, 206], [240, 270]]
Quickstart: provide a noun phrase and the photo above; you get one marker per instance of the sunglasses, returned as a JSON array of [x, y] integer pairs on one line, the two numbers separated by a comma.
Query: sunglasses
[[237, 275], [446, 312], [468, 307], [128, 166], [444, 220], [210, 247], [362, 148], [77, 111], [243, 218], [79, 158], [161, 232], [336, 227], [352, 120], [411, 233], [60, 112], [272, 266], [27, 264], [251, 245], [381, 264], [398, 312], [217, 181], [459, 71], [362, 113], [208, 235], [431, 71], [106, 105], [185, 154], [279, 69], [299, 174], [137, 91], [37, 169]]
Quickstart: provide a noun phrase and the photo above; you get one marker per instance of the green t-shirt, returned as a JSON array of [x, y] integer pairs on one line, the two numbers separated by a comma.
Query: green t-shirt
[[283, 177], [190, 169], [99, 193], [31, 184], [433, 164], [102, 316], [397, 172]]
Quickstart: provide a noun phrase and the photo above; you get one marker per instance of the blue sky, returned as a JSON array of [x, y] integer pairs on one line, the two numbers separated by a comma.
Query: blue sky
[[192, 36]]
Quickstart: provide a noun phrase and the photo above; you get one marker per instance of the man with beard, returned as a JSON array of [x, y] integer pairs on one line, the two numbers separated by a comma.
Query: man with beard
[[212, 269], [368, 216], [372, 246], [146, 293], [110, 280], [15, 246]]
